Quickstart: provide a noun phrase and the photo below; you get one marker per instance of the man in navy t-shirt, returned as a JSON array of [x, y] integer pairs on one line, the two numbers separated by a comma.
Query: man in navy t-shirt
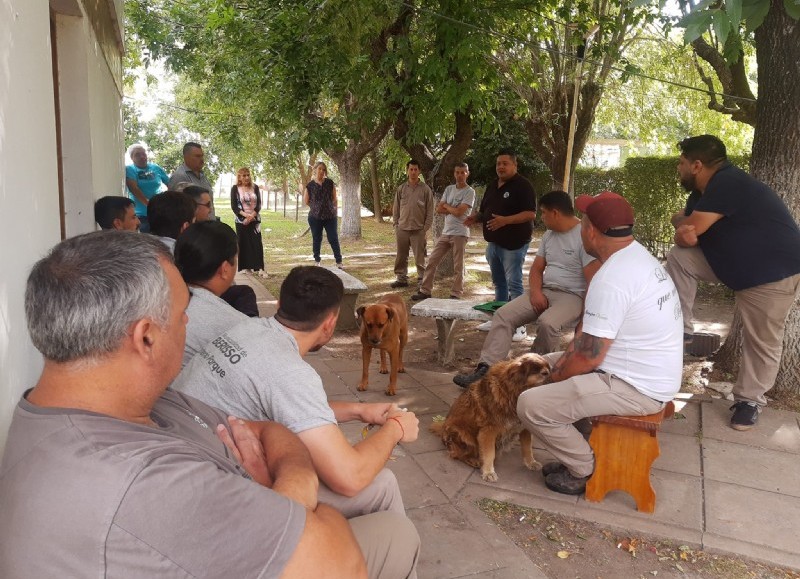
[[740, 233]]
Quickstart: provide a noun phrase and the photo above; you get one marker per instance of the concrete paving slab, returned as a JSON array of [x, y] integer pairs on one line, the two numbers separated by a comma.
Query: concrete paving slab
[[452, 547], [447, 474], [446, 392], [679, 454], [377, 380], [332, 383], [418, 400], [748, 466], [776, 429], [428, 378], [686, 420], [417, 488], [752, 522], [427, 441], [342, 364]]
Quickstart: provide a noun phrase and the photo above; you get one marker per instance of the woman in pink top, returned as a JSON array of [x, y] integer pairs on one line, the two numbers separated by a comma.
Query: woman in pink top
[[246, 203]]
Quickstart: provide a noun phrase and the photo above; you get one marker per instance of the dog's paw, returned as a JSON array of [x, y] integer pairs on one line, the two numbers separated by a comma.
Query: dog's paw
[[362, 386], [390, 392], [401, 369], [490, 476], [533, 465], [384, 370]]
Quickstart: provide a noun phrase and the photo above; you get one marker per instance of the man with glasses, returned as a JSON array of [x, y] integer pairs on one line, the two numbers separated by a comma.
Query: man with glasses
[[143, 181], [202, 200]]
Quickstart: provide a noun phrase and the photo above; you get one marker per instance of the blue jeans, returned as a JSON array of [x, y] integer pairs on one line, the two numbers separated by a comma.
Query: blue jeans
[[329, 225], [506, 268]]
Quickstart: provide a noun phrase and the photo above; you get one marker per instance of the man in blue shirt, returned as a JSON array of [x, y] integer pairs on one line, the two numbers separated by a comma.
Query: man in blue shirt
[[143, 181], [739, 232]]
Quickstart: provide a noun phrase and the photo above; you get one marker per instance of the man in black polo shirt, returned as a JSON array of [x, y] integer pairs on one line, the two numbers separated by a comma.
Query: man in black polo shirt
[[739, 232], [507, 211]]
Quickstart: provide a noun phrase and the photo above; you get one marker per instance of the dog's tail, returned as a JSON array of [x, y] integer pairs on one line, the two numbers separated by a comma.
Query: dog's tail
[[437, 428]]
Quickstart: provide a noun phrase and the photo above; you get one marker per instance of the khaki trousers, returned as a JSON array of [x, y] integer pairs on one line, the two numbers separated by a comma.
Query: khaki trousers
[[414, 240], [444, 244], [763, 310], [390, 544], [549, 412], [382, 494], [564, 311]]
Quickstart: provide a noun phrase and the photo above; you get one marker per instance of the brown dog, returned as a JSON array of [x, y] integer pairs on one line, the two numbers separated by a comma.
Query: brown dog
[[384, 325], [484, 418]]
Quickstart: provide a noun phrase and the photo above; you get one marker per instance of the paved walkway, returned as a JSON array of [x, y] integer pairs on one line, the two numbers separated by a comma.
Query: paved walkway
[[736, 492]]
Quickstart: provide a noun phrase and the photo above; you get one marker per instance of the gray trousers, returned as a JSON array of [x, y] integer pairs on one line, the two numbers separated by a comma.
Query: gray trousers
[[414, 240], [564, 311], [549, 412], [763, 310], [382, 494]]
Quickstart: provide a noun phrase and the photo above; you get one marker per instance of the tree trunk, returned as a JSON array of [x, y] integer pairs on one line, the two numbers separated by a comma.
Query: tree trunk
[[350, 171], [376, 189], [285, 190], [727, 358], [776, 145]]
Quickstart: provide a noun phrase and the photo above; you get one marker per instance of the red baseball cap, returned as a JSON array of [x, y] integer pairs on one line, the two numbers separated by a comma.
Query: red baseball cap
[[607, 211]]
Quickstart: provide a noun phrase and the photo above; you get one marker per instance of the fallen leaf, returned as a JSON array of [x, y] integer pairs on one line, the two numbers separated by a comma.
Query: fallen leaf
[[562, 554], [679, 416]]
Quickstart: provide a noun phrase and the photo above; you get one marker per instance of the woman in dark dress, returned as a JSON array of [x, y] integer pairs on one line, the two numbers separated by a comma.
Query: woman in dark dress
[[320, 196], [246, 203]]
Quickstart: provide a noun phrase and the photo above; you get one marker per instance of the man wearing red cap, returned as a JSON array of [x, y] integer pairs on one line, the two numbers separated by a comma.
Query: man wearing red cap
[[627, 354], [737, 231]]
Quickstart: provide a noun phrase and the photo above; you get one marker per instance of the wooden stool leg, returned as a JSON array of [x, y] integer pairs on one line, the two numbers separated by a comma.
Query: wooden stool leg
[[623, 457]]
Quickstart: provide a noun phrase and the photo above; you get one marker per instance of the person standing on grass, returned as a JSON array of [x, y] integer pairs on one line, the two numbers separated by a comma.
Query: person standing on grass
[[456, 202], [246, 204], [320, 196], [507, 212], [412, 215]]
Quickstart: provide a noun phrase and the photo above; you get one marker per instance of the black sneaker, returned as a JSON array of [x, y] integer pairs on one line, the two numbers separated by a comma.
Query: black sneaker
[[552, 468], [745, 415], [563, 482], [397, 283], [464, 380], [420, 295]]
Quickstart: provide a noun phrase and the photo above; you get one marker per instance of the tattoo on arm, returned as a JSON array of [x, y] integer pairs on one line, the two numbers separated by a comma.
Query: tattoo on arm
[[589, 346]]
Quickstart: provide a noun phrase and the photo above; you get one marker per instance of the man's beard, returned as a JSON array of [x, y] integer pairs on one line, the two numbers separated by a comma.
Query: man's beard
[[689, 183]]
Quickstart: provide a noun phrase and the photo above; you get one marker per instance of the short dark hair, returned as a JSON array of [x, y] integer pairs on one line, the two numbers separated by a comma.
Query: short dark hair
[[191, 145], [107, 209], [412, 162], [462, 165], [195, 191], [707, 149], [201, 249], [558, 200], [509, 153], [307, 296], [168, 211]]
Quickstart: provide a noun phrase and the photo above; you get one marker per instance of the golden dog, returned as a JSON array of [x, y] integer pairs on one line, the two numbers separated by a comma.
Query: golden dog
[[484, 418], [384, 325]]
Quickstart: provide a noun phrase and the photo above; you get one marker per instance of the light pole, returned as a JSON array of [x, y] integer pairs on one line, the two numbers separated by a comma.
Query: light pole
[[574, 116]]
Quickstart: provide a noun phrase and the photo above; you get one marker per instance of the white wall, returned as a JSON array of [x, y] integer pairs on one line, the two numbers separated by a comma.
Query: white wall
[[29, 198]]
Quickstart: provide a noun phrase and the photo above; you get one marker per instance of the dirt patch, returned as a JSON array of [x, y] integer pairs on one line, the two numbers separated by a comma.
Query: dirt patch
[[566, 548]]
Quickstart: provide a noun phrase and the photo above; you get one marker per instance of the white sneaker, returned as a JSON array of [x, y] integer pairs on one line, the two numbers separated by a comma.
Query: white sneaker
[[520, 335], [485, 326]]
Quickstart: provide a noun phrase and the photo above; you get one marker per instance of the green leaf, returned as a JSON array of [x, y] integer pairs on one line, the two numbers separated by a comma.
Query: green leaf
[[695, 23], [734, 10], [792, 8], [754, 12], [722, 25]]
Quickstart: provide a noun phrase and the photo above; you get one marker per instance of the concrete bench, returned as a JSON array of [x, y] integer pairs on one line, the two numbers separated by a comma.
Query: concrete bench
[[352, 287], [447, 313]]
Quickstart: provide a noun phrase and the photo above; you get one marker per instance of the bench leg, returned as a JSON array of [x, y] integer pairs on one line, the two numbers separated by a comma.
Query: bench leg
[[347, 313], [623, 457], [445, 332]]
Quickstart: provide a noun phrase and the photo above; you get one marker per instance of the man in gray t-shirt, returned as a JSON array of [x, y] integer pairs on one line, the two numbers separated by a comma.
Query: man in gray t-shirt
[[455, 204], [557, 285], [209, 316], [256, 370], [106, 473]]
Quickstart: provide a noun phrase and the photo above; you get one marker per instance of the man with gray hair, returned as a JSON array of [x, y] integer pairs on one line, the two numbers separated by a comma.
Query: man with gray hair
[[120, 477], [191, 171], [143, 181]]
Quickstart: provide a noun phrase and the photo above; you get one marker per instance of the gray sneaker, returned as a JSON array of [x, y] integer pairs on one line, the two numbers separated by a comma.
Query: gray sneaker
[[464, 380]]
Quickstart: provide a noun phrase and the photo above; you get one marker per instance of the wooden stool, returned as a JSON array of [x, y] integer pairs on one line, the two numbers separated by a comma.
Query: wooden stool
[[624, 450]]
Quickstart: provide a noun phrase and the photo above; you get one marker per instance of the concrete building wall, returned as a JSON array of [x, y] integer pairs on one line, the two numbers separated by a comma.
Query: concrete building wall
[[89, 92]]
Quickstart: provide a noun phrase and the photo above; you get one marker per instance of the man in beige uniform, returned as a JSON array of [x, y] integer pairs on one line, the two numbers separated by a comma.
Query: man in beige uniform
[[413, 217]]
